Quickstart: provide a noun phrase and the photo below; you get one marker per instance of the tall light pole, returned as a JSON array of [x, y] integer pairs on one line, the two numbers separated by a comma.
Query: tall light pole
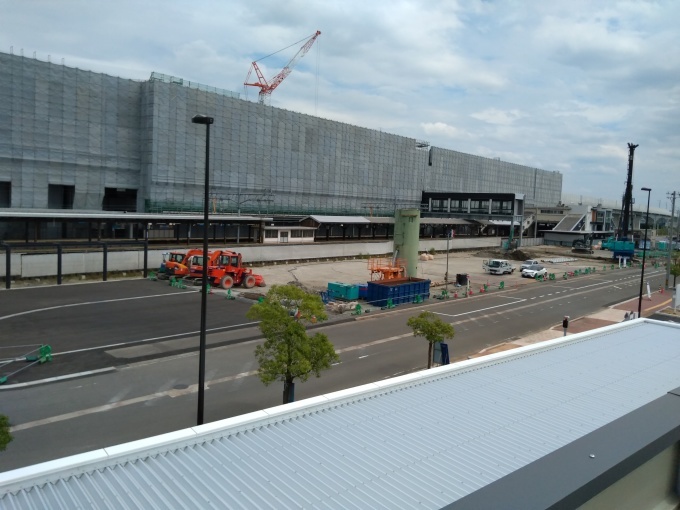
[[670, 243], [204, 119], [644, 251]]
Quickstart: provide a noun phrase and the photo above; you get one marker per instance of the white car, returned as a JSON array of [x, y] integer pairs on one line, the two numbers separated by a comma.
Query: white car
[[528, 263], [534, 271]]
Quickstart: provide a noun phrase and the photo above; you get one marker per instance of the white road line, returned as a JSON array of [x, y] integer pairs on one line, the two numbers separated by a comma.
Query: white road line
[[166, 337], [519, 300], [172, 393], [27, 312]]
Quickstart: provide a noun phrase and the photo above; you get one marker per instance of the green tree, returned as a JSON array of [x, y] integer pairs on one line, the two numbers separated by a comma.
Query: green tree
[[288, 353], [675, 271], [5, 436], [432, 328]]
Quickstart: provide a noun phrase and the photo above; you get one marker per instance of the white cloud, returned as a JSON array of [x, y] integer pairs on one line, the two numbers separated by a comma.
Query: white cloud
[[446, 130], [494, 116]]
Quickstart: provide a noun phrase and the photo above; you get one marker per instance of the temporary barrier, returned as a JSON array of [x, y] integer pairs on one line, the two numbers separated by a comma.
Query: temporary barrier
[[40, 355]]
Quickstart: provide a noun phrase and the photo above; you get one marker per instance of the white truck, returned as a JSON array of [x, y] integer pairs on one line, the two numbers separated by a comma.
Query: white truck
[[498, 266]]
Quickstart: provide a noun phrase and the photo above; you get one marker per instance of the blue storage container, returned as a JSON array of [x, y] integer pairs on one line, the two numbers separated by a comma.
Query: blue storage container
[[405, 290], [363, 290]]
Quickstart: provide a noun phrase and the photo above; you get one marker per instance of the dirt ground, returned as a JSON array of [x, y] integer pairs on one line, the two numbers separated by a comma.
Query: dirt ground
[[315, 276]]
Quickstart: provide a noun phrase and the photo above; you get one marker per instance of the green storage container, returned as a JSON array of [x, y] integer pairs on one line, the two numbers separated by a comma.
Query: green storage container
[[344, 291]]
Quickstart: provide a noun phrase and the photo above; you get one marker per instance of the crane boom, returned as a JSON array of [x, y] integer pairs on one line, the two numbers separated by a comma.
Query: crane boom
[[267, 87]]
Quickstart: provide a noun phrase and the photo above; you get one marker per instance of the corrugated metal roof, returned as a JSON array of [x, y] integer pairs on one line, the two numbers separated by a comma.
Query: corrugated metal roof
[[421, 440]]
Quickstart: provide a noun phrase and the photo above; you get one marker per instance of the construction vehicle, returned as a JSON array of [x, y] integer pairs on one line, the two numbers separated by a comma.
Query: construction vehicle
[[497, 266], [226, 270], [267, 87], [583, 245], [195, 264], [620, 248], [176, 263]]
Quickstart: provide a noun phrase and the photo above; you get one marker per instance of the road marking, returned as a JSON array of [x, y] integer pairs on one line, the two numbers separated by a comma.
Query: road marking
[[171, 393], [27, 312], [166, 337], [519, 300]]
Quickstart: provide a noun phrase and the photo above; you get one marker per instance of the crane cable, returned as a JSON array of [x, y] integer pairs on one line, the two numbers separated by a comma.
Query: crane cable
[[283, 49]]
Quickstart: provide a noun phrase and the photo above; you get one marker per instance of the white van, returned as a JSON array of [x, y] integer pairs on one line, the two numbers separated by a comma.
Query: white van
[[498, 266]]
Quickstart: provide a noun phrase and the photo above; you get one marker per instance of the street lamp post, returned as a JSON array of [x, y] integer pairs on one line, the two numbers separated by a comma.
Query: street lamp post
[[204, 119], [644, 252]]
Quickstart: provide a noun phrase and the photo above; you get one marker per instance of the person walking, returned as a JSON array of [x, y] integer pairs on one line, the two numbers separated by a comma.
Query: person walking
[[565, 324]]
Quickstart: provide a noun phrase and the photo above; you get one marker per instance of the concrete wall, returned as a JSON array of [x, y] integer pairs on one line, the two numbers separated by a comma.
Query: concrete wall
[[27, 265]]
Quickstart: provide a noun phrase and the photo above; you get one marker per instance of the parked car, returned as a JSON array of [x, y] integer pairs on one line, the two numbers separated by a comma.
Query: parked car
[[534, 270], [528, 263]]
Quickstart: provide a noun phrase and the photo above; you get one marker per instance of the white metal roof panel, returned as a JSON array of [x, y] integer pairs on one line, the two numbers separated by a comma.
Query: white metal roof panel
[[350, 220], [422, 440]]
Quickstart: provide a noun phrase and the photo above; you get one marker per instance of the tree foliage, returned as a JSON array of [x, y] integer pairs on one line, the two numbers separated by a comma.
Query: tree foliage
[[432, 328], [675, 271], [288, 352], [5, 436]]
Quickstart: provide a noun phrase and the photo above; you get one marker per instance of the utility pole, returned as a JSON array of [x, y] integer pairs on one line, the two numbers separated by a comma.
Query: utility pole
[[670, 240]]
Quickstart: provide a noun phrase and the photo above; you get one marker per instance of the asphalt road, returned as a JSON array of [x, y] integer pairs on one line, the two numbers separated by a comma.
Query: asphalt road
[[158, 395]]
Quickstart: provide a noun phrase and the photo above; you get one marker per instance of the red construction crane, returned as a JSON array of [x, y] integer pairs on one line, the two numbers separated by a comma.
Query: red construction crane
[[266, 88]]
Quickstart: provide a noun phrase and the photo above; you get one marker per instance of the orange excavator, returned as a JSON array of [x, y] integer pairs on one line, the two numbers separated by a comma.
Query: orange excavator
[[228, 270], [196, 263], [176, 263]]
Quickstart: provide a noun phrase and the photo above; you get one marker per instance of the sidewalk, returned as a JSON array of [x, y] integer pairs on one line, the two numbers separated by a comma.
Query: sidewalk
[[612, 315]]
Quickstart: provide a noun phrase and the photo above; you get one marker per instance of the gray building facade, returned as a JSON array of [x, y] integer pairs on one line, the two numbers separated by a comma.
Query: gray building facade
[[74, 139]]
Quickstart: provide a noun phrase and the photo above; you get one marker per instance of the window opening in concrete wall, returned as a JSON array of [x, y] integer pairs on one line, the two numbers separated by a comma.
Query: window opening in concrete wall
[[120, 199], [60, 196], [5, 194]]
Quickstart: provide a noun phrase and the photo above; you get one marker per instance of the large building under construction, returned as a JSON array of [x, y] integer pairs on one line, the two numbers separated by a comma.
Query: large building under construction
[[74, 139]]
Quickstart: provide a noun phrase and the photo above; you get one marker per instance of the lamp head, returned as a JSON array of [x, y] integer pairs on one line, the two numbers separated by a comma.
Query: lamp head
[[202, 119], [646, 189]]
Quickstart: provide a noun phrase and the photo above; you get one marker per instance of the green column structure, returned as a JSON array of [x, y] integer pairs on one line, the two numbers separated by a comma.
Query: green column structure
[[407, 237]]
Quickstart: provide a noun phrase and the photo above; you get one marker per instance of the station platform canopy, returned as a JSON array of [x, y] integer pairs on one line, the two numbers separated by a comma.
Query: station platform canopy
[[317, 220]]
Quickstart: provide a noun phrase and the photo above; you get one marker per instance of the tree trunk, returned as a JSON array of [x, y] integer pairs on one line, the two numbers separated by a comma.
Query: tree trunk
[[288, 390], [429, 355]]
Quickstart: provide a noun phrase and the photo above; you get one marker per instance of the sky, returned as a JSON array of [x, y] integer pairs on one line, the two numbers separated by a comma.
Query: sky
[[561, 85]]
